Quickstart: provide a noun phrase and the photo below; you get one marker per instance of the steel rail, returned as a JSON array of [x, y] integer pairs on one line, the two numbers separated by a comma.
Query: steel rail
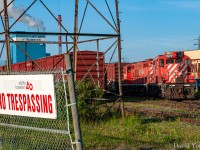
[[35, 128], [83, 17], [54, 16], [110, 59], [57, 63], [56, 33], [102, 16], [94, 40], [111, 13], [7, 6], [88, 72], [2, 12], [67, 107], [119, 59], [22, 14], [7, 35], [2, 21], [75, 46], [67, 47], [2, 49], [39, 42], [111, 46]]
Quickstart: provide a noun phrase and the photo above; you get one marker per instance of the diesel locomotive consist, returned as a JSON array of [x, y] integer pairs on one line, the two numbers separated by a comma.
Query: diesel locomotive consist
[[168, 75]]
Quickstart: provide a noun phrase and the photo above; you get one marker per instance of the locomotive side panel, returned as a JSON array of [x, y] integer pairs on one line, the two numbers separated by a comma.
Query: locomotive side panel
[[137, 73]]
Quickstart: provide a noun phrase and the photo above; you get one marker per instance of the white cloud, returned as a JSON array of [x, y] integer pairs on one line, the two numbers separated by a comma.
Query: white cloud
[[15, 12], [133, 7], [161, 4], [188, 4]]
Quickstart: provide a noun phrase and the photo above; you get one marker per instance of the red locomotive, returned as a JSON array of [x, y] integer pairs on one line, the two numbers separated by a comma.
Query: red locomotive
[[168, 75]]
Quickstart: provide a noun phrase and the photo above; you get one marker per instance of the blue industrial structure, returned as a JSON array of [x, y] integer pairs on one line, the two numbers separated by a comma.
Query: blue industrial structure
[[34, 50]]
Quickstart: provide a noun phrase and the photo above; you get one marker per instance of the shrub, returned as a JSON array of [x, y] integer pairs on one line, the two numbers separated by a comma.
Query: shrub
[[85, 92]]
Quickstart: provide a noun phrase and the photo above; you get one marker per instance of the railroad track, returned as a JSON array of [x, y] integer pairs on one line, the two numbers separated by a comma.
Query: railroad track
[[187, 111]]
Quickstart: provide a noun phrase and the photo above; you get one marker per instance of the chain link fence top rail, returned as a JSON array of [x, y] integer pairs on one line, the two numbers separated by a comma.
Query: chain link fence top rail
[[17, 132]]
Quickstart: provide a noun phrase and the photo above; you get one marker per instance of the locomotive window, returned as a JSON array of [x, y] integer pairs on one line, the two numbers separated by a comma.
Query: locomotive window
[[178, 60], [129, 69], [169, 61], [161, 62], [146, 65], [187, 61]]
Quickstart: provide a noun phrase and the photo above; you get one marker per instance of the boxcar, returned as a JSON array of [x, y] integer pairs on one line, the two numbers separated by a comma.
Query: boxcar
[[88, 66]]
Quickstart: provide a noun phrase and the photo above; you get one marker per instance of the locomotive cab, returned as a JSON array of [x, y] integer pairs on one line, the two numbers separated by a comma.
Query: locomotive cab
[[174, 65], [178, 83]]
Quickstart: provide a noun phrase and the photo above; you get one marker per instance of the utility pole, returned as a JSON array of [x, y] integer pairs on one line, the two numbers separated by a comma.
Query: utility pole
[[75, 39], [119, 59], [59, 37], [74, 105], [98, 68], [7, 36], [198, 43]]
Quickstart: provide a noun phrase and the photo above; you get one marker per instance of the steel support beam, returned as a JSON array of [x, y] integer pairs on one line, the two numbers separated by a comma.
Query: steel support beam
[[119, 59], [75, 39], [7, 39]]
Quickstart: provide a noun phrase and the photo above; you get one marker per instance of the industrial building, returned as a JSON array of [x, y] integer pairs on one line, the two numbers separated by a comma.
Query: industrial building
[[34, 50], [195, 56]]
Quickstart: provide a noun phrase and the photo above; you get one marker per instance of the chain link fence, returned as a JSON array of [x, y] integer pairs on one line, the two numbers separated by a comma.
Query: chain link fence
[[17, 132]]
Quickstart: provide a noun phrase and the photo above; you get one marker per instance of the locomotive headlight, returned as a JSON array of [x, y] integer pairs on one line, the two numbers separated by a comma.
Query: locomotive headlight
[[168, 55]]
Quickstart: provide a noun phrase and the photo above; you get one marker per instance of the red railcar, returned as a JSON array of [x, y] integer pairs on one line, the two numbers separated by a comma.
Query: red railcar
[[168, 75], [112, 76], [88, 66], [136, 73]]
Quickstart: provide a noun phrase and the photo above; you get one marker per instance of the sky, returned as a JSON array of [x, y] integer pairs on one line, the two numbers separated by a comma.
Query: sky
[[148, 27], [151, 27]]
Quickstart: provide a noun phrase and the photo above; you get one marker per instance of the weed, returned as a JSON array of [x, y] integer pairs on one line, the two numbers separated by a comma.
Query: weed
[[133, 133]]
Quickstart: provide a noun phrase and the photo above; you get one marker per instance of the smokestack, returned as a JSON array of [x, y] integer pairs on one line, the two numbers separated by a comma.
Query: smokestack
[[59, 37]]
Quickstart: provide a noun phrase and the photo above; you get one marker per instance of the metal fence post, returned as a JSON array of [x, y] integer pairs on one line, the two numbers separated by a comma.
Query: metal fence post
[[74, 107]]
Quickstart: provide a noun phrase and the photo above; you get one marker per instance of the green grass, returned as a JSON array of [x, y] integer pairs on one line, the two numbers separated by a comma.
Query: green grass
[[135, 133]]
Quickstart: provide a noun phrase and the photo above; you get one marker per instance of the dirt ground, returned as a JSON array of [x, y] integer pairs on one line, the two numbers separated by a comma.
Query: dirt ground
[[186, 110]]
